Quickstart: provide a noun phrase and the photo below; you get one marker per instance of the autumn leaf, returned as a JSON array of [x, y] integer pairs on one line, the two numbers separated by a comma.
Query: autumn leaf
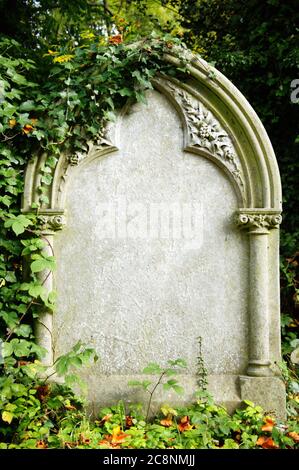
[[129, 421], [7, 416], [27, 129], [117, 39], [269, 424], [106, 442], [70, 407], [83, 439], [167, 422], [41, 445], [12, 123], [63, 58], [104, 419], [42, 392], [266, 443], [184, 424], [118, 436], [294, 435]]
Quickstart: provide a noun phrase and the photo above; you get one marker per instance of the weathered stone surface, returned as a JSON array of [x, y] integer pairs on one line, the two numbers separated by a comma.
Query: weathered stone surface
[[140, 300], [141, 285], [268, 392]]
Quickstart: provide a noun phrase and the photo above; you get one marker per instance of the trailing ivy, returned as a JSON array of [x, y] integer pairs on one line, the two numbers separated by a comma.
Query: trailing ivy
[[56, 108]]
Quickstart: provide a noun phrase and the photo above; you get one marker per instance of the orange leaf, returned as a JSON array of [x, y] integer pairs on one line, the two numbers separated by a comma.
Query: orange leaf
[[117, 39], [266, 443], [269, 423], [105, 442], [129, 421], [118, 436], [294, 435], [167, 422], [27, 129], [184, 424], [41, 445], [104, 419]]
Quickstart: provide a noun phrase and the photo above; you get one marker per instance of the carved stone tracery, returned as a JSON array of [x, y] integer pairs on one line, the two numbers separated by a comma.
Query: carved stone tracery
[[259, 221], [205, 132]]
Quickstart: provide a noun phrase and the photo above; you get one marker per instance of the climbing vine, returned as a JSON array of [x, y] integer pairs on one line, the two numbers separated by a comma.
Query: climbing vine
[[56, 106]]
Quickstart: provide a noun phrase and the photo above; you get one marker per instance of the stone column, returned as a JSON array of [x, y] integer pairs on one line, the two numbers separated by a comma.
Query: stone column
[[258, 223], [43, 325]]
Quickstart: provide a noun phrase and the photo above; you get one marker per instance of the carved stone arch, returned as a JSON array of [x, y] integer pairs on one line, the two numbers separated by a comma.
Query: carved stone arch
[[220, 125]]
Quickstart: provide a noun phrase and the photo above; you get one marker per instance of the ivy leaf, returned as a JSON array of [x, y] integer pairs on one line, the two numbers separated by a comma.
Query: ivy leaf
[[28, 105], [42, 263], [18, 223], [7, 416], [125, 92]]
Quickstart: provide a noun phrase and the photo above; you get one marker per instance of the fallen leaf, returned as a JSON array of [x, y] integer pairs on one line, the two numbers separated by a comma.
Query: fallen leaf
[[117, 39], [70, 407], [294, 435], [27, 129], [105, 419], [269, 424], [129, 421], [167, 422], [12, 123], [42, 392], [266, 443], [7, 416], [118, 436], [107, 443], [41, 445], [184, 424], [83, 439]]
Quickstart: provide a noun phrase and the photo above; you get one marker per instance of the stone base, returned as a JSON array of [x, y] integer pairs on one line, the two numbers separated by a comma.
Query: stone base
[[267, 392], [227, 390]]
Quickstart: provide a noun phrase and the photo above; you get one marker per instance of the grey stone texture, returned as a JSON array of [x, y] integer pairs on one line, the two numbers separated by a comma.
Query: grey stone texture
[[165, 230]]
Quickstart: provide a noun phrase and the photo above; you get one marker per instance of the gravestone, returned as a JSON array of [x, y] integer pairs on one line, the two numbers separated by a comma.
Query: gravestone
[[166, 231]]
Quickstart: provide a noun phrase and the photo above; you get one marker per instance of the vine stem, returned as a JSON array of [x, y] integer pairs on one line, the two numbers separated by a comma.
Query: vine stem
[[151, 394], [32, 301]]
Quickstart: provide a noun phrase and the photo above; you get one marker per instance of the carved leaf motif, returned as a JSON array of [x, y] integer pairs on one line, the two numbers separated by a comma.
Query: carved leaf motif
[[205, 132]]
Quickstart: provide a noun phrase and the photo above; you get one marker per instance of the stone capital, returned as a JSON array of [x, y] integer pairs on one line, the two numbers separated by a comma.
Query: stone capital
[[52, 222], [258, 221]]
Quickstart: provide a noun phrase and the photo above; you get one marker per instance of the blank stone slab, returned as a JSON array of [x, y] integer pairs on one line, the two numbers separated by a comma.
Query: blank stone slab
[[133, 295]]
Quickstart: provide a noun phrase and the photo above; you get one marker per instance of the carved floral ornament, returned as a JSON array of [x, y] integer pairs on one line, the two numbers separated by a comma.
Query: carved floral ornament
[[205, 132], [258, 221], [52, 222]]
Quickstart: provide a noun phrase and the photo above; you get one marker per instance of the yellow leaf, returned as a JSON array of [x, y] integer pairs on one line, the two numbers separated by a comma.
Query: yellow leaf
[[12, 123], [7, 416]]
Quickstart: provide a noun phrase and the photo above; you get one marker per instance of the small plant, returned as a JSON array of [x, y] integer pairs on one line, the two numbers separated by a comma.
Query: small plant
[[202, 373], [162, 373]]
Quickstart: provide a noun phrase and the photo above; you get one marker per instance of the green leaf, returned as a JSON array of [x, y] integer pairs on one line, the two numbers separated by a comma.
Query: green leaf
[[28, 105], [18, 227], [42, 263], [152, 368], [125, 92]]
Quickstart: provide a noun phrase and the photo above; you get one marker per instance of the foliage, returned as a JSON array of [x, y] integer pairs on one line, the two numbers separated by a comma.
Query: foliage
[[162, 372], [56, 419], [74, 64]]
